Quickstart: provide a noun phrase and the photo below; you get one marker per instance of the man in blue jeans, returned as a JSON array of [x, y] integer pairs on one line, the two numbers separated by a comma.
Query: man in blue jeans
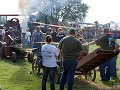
[[107, 69], [70, 48], [113, 62]]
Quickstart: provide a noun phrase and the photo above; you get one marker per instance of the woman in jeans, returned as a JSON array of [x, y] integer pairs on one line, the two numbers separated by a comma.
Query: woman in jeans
[[49, 53]]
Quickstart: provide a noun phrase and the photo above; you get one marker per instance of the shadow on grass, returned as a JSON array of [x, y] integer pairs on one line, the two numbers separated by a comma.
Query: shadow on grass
[[108, 83], [19, 62], [82, 84], [112, 82]]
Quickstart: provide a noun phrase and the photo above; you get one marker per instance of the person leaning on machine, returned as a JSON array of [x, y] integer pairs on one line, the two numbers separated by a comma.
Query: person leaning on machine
[[106, 42]]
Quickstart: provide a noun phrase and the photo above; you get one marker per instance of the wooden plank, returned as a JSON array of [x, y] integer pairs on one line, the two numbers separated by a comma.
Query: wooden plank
[[95, 59]]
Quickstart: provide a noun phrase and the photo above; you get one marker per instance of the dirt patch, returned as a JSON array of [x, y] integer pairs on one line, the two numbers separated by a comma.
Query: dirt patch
[[89, 85], [118, 68], [117, 87]]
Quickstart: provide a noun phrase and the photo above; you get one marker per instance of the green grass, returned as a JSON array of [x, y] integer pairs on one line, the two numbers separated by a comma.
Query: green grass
[[16, 76]]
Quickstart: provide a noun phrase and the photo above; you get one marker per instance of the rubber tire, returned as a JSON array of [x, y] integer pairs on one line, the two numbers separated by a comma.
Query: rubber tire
[[14, 56], [30, 57]]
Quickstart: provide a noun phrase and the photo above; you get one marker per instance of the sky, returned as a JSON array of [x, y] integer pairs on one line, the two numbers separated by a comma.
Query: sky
[[102, 11], [9, 6]]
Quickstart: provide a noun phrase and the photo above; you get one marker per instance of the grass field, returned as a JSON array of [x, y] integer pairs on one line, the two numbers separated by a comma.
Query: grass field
[[16, 76]]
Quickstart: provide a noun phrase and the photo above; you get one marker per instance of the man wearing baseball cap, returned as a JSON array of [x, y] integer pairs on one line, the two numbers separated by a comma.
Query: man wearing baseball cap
[[69, 48]]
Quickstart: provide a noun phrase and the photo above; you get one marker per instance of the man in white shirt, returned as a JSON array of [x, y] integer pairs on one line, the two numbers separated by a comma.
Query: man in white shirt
[[27, 37]]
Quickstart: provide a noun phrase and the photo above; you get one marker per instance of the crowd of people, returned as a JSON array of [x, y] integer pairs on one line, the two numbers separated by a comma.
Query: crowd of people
[[68, 55], [70, 47]]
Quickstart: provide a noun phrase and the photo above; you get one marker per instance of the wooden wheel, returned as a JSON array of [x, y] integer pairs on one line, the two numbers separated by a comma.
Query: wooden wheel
[[30, 57], [14, 56], [58, 75], [35, 67], [91, 75]]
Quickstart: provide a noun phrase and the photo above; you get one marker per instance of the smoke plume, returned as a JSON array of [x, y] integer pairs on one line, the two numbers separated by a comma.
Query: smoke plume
[[28, 7]]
